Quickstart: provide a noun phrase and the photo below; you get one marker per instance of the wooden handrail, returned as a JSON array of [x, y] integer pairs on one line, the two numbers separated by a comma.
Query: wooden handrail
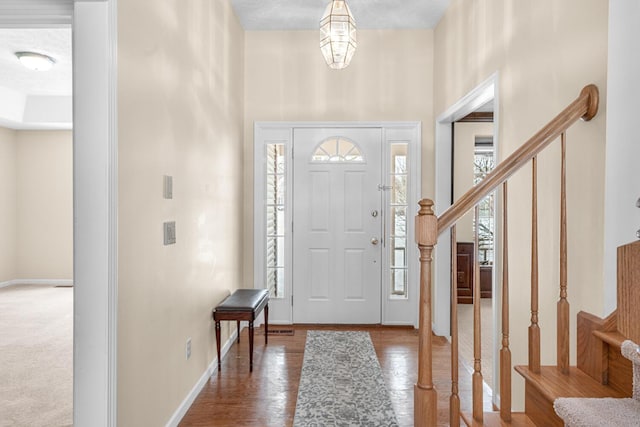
[[428, 227], [585, 107]]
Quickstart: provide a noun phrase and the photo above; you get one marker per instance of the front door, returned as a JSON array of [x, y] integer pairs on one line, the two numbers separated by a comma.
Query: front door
[[337, 225]]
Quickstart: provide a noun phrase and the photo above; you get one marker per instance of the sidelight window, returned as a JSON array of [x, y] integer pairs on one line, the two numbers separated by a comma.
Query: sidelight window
[[398, 220], [275, 217]]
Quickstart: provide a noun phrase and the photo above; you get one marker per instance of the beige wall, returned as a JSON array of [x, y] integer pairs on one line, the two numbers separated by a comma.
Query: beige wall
[[544, 52], [463, 157], [8, 210], [180, 77], [286, 79], [44, 173], [36, 192]]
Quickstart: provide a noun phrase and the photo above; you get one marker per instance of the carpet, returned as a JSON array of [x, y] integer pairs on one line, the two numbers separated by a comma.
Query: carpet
[[341, 383], [36, 356]]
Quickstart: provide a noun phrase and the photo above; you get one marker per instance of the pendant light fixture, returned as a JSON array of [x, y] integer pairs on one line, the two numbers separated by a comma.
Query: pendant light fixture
[[338, 35]]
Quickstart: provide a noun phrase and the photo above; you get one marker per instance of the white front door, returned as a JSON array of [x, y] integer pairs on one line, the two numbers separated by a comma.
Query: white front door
[[337, 225]]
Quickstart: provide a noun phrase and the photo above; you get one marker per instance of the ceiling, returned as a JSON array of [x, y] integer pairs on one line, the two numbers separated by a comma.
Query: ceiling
[[42, 100], [255, 15], [35, 99]]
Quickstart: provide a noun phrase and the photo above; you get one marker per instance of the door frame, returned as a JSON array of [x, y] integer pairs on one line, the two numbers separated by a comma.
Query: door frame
[[394, 311], [95, 197], [95, 212], [480, 95]]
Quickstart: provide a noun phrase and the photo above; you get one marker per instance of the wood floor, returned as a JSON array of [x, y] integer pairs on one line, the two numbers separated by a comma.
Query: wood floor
[[267, 396]]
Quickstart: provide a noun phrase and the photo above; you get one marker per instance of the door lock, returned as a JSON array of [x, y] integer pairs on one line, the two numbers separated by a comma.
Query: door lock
[[374, 213]]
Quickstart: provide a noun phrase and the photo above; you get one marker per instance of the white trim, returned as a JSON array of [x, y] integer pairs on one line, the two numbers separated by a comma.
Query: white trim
[[36, 14], [283, 132], [95, 213], [442, 264], [52, 282], [95, 198], [403, 311], [270, 134], [199, 385], [477, 97]]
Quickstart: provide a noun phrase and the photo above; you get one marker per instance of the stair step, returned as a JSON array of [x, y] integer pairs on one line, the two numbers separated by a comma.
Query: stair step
[[613, 338], [493, 419], [541, 389], [553, 384]]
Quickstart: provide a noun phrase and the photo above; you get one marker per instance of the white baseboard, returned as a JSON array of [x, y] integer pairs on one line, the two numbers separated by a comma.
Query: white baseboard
[[54, 282], [197, 388]]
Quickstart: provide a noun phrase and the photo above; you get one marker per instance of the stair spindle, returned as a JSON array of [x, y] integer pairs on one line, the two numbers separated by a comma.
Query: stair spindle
[[505, 352], [563, 303], [534, 328], [477, 380], [454, 400]]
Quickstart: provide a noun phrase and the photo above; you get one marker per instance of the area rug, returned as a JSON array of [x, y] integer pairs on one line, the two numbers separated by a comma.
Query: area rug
[[341, 383]]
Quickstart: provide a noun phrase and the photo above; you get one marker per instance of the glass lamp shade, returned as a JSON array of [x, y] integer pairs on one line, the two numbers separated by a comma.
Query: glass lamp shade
[[338, 35], [36, 61]]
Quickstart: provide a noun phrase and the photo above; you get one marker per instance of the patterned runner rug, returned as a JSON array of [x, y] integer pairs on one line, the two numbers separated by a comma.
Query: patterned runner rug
[[341, 383]]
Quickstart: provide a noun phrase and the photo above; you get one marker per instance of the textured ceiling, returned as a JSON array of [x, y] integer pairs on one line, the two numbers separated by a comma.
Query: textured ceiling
[[369, 14], [52, 42]]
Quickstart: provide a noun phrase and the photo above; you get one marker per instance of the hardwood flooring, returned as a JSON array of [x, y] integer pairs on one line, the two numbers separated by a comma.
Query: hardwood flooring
[[267, 396]]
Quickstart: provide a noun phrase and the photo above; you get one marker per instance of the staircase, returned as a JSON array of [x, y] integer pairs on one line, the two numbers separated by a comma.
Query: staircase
[[601, 370]]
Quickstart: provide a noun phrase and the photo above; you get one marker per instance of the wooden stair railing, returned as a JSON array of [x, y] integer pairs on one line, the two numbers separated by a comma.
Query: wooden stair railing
[[429, 228]]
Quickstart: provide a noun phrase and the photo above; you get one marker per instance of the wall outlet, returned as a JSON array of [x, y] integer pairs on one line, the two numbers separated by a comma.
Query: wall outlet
[[187, 349]]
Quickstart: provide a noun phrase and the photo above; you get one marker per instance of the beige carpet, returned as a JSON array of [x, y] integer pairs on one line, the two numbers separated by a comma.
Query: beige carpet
[[36, 356]]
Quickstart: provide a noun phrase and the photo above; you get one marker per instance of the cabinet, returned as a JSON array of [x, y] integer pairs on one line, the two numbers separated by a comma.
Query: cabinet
[[465, 256]]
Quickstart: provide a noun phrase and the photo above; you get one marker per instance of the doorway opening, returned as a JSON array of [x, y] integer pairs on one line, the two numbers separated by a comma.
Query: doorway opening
[[95, 194], [472, 108]]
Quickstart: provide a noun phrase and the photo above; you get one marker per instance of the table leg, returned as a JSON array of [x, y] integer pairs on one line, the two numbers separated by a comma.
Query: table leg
[[238, 322], [251, 346], [218, 342], [266, 323]]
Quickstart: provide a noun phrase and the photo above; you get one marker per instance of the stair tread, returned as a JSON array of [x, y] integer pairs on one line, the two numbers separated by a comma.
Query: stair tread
[[493, 419], [553, 384], [613, 338]]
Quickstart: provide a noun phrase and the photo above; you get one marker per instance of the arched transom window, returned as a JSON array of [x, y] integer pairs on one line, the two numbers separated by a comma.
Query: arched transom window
[[337, 149]]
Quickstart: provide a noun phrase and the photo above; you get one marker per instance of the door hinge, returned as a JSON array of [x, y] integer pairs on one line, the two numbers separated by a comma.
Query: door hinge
[[382, 187], [292, 300]]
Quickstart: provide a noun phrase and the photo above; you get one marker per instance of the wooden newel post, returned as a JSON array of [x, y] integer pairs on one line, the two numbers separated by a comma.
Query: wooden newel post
[[425, 396]]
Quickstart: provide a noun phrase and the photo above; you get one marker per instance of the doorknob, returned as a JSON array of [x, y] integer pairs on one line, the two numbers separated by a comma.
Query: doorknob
[[374, 240]]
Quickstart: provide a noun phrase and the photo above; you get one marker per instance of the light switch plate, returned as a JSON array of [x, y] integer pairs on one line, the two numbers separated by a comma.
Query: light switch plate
[[169, 233], [167, 186]]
